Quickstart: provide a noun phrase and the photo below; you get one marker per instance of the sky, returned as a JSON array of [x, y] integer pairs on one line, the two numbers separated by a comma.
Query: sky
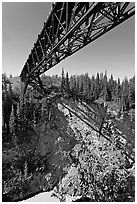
[[23, 21]]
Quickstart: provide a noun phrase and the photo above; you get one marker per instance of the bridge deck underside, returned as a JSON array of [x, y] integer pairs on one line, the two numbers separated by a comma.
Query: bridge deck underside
[[69, 27]]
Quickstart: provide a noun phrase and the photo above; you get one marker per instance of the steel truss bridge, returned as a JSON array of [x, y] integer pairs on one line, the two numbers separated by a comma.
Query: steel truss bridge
[[69, 27]]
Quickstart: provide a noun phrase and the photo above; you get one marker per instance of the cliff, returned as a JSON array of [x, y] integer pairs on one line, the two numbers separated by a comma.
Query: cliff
[[69, 129]]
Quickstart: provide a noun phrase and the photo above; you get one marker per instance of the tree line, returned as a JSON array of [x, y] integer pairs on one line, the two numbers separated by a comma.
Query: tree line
[[17, 111], [100, 86]]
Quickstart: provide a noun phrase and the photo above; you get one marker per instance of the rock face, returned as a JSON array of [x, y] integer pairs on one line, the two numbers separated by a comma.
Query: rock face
[[60, 133], [59, 137], [56, 140]]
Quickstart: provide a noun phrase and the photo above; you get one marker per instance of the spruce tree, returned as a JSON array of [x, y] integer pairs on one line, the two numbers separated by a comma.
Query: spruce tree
[[125, 95], [111, 88], [13, 127], [105, 86], [131, 91], [97, 87], [118, 91], [62, 80], [92, 86], [78, 85], [81, 89], [67, 83], [6, 102]]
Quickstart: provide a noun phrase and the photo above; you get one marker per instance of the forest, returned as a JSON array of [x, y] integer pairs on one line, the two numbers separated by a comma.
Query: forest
[[23, 115], [77, 86]]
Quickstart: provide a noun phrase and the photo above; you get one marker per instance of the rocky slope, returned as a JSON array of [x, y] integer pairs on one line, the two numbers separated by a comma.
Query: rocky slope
[[68, 125]]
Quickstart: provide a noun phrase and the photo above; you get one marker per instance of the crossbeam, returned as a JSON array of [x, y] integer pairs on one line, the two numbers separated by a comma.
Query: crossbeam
[[70, 27]]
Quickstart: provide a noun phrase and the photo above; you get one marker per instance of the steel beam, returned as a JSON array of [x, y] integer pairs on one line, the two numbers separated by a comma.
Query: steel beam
[[69, 27]]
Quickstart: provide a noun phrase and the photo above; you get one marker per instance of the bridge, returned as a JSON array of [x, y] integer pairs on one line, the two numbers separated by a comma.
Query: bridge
[[69, 27]]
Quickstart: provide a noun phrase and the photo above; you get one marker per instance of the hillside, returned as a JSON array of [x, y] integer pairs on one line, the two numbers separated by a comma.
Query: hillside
[[72, 138]]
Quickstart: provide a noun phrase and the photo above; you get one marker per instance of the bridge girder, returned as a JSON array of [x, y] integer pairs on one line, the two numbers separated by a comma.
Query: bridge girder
[[70, 27]]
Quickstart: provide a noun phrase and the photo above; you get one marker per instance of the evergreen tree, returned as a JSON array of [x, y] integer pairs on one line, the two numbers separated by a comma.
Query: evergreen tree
[[101, 80], [67, 83], [92, 86], [74, 90], [118, 91], [87, 86], [6, 102], [75, 87], [105, 86], [104, 91], [131, 91], [97, 87], [111, 88], [62, 80], [81, 89], [125, 95], [13, 126]]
